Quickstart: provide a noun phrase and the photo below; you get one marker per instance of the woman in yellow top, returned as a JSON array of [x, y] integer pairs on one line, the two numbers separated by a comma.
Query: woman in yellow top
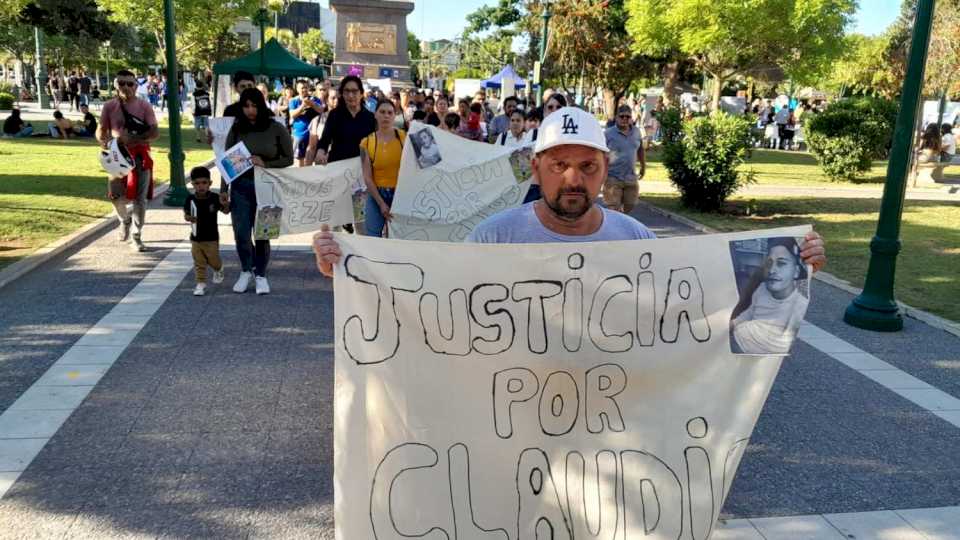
[[380, 152]]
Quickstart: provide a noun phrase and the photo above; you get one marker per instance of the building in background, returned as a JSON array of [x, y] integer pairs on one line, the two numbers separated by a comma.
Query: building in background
[[299, 17]]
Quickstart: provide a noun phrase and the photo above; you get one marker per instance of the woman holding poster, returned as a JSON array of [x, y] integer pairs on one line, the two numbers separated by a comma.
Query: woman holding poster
[[380, 152], [270, 146]]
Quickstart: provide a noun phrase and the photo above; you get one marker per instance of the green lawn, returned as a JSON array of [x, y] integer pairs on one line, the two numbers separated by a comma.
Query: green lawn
[[49, 188], [778, 167], [928, 269]]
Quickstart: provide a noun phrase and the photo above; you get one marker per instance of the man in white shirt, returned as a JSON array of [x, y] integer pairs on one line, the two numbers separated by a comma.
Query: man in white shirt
[[948, 143]]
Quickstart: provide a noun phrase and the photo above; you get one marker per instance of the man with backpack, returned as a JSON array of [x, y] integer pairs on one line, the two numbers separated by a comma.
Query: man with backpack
[[133, 123]]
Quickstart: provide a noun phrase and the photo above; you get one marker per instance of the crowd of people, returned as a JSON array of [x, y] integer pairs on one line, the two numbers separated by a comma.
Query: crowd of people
[[312, 124]]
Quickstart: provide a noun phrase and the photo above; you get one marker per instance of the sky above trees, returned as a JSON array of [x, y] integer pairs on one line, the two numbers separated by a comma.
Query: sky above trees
[[436, 19]]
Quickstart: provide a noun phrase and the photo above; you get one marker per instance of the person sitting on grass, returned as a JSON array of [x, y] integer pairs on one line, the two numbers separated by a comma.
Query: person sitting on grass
[[200, 210], [61, 128], [88, 128], [14, 126]]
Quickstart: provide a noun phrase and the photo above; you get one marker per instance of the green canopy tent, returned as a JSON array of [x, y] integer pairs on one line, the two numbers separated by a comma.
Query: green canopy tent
[[272, 60]]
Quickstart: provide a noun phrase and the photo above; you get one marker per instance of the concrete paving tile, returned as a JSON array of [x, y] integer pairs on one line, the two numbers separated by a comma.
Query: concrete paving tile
[[106, 337], [735, 529], [934, 523], [220, 485], [200, 521], [953, 417], [73, 375], [107, 417], [291, 521], [884, 524], [7, 479], [155, 452], [303, 483], [51, 398], [931, 399], [258, 416], [171, 419], [895, 379], [62, 491], [16, 454], [861, 361], [65, 452], [833, 345], [796, 528], [106, 355], [137, 488], [24, 521], [100, 525], [19, 424], [307, 446], [233, 447]]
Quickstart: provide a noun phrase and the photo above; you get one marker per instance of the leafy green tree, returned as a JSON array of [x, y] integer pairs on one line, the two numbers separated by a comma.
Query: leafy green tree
[[731, 38], [198, 22], [589, 38], [863, 69], [314, 45]]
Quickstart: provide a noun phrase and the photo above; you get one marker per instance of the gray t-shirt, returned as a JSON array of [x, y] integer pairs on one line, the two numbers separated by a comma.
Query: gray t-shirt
[[623, 152], [521, 225]]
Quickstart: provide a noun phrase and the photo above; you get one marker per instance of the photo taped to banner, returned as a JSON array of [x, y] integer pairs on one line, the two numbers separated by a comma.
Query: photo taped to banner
[[426, 148], [774, 289]]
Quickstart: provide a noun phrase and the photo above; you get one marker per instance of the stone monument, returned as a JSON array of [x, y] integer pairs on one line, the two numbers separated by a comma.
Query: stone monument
[[372, 40]]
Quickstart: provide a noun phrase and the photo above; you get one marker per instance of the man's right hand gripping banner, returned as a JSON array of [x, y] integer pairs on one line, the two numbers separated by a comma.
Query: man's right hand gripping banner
[[554, 391]]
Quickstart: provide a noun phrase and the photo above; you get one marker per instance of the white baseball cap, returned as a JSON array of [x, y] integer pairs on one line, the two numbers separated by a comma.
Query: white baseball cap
[[570, 125]]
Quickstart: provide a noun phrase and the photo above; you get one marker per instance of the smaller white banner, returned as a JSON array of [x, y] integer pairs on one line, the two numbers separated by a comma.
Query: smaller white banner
[[299, 200], [448, 185]]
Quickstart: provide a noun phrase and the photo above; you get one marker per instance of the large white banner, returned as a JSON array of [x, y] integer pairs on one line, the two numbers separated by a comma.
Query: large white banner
[[301, 199], [448, 185], [553, 391]]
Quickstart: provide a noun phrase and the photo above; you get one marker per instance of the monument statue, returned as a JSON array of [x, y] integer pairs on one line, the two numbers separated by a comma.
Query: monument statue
[[372, 40]]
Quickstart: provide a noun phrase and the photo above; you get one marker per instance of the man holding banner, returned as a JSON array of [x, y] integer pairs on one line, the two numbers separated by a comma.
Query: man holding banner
[[569, 389]]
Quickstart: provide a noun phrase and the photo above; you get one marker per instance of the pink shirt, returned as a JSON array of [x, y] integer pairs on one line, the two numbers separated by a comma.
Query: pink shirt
[[111, 117]]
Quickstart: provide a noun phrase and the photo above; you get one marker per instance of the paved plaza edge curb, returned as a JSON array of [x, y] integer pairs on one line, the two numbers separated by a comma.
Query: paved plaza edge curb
[[22, 267], [826, 277]]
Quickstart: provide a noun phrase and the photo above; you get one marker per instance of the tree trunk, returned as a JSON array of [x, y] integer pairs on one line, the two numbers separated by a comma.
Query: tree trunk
[[717, 87], [610, 100], [670, 78]]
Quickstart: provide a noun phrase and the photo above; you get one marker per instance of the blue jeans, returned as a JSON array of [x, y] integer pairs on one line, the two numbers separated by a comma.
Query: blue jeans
[[254, 256], [372, 216]]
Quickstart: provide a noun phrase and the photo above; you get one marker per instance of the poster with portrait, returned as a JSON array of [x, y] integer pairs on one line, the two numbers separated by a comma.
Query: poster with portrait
[[774, 289], [562, 391], [447, 185]]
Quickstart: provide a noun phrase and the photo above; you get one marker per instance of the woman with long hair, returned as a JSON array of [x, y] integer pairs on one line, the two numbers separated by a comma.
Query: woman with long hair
[[270, 147], [380, 152], [345, 127]]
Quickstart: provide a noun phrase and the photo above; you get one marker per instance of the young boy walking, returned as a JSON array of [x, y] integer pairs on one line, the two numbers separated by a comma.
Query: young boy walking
[[200, 209]]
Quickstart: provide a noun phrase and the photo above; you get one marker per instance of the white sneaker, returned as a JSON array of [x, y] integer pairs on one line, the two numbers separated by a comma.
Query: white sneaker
[[200, 289], [243, 282], [218, 276], [263, 287]]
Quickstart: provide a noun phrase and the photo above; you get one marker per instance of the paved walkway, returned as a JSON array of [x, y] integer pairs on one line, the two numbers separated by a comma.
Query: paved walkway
[[132, 409]]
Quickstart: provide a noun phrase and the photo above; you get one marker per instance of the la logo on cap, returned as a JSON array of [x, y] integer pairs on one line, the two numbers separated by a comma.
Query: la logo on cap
[[569, 126]]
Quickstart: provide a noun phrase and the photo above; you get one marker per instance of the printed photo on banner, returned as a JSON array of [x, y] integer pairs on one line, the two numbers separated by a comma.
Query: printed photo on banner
[[234, 162], [426, 148], [520, 162], [774, 289]]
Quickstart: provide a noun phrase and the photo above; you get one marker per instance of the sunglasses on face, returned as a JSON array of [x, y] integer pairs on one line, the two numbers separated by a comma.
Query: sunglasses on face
[[625, 116], [130, 84]]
